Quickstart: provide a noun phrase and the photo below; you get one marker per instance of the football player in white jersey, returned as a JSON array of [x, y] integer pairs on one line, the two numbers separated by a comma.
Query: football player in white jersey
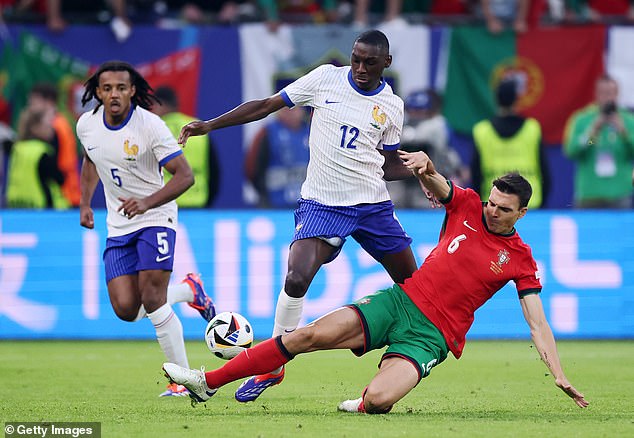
[[126, 146], [354, 137]]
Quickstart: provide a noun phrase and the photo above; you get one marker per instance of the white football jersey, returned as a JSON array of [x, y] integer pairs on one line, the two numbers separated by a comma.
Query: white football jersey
[[129, 159], [348, 128]]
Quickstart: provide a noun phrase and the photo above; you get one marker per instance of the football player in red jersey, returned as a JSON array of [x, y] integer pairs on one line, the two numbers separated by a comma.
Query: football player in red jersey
[[427, 316]]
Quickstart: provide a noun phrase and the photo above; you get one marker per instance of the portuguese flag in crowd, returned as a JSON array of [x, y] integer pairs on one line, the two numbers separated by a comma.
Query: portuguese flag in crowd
[[36, 61], [555, 67]]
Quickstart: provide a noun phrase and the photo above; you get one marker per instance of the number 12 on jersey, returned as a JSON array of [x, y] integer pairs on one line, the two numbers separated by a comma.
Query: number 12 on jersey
[[348, 134]]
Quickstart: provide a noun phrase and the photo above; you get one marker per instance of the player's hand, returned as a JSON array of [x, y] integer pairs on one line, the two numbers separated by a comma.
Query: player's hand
[[494, 25], [86, 217], [570, 390], [197, 127], [131, 207], [418, 162]]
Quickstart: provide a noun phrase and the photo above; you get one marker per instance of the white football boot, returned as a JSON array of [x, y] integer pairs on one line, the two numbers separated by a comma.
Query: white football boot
[[193, 380], [351, 405]]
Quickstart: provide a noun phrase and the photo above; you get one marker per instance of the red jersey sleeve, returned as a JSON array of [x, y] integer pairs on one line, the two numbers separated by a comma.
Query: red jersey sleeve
[[527, 280]]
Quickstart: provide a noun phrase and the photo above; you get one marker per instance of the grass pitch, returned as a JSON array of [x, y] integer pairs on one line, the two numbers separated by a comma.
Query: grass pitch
[[497, 389]]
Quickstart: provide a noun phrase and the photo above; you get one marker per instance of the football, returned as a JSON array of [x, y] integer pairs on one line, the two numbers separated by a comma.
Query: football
[[227, 334]]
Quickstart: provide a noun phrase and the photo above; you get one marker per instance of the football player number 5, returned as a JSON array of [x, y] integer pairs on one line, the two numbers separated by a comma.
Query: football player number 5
[[115, 176], [163, 244], [455, 244]]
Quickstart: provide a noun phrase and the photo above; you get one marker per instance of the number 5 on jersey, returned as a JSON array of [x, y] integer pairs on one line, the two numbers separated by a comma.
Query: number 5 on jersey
[[115, 176]]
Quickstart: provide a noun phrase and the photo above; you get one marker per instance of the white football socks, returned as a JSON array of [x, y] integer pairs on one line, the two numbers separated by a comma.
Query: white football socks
[[180, 293], [288, 312], [169, 333]]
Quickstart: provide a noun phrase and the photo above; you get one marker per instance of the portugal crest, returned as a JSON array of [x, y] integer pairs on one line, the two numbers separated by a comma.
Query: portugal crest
[[503, 259]]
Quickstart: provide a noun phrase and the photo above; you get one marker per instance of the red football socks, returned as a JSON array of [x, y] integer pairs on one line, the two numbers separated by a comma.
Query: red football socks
[[263, 358]]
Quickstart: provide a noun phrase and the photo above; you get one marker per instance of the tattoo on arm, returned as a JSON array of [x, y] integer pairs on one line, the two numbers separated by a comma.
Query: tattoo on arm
[[545, 359]]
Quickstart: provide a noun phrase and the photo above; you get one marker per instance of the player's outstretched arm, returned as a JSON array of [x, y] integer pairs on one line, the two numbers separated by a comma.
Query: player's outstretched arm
[[423, 168], [88, 180], [544, 341], [243, 113]]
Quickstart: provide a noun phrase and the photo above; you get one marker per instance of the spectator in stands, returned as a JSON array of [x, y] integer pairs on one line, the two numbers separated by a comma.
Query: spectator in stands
[[44, 97], [391, 10], [50, 10], [600, 10], [33, 179], [7, 137], [120, 24], [499, 14], [200, 153], [314, 11], [425, 129], [509, 142], [206, 11], [277, 159], [450, 7], [600, 139]]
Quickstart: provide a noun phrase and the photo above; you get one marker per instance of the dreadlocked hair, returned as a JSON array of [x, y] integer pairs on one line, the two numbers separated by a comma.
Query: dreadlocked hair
[[143, 97]]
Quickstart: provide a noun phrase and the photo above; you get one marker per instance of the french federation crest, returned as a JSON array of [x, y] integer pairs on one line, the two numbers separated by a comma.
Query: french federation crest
[[131, 151], [379, 117]]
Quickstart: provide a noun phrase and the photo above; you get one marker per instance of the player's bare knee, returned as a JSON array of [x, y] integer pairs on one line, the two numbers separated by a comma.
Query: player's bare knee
[[125, 313], [152, 303], [301, 340], [296, 284], [377, 402]]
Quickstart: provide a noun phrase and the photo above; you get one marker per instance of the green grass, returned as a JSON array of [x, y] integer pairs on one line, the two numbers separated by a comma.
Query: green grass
[[496, 389]]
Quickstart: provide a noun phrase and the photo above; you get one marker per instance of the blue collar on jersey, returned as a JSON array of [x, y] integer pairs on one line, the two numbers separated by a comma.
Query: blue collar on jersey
[[366, 93], [122, 124]]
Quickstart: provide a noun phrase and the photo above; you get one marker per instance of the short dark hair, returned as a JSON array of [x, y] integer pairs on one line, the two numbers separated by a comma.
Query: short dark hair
[[46, 90], [167, 95], [144, 96], [515, 184], [506, 92], [374, 38], [28, 120]]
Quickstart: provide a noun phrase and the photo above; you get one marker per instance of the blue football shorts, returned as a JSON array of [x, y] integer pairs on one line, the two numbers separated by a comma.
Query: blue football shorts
[[374, 226], [146, 249]]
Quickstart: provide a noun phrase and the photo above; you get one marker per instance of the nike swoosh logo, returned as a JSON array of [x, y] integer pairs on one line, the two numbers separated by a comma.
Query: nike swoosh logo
[[331, 101], [94, 147], [469, 226], [160, 259], [289, 331]]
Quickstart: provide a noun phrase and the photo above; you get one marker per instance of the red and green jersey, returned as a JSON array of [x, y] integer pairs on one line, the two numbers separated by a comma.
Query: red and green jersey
[[467, 267]]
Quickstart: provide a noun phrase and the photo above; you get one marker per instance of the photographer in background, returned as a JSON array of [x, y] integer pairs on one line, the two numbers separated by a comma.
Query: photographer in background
[[600, 139]]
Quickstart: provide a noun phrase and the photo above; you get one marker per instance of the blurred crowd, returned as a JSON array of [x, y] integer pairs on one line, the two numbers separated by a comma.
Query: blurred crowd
[[41, 151], [496, 14]]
